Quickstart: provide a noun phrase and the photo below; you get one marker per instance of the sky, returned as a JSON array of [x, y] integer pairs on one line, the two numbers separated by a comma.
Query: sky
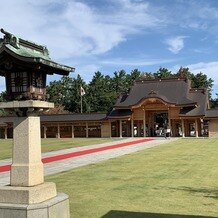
[[110, 35]]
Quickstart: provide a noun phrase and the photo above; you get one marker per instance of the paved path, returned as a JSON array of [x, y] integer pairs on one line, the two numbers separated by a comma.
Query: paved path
[[63, 160]]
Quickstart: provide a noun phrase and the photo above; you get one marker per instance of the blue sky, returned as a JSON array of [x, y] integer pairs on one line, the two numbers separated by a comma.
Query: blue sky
[[110, 35]]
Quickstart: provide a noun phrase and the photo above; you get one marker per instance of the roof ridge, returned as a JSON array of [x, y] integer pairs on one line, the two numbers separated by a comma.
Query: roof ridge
[[74, 114], [202, 90], [162, 79], [16, 42]]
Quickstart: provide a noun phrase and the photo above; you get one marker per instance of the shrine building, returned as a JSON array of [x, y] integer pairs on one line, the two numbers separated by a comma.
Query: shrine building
[[147, 110], [151, 106]]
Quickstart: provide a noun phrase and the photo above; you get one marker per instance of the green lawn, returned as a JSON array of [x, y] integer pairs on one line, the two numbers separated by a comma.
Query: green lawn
[[176, 178], [53, 144]]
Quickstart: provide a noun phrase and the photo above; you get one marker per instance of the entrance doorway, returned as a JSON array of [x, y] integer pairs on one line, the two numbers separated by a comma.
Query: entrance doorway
[[160, 123]]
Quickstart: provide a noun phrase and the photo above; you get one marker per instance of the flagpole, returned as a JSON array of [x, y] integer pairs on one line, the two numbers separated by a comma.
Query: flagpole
[[81, 107], [82, 92]]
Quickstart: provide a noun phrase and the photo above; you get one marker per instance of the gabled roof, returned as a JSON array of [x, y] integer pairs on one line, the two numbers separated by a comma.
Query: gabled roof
[[171, 91], [73, 117], [200, 96], [175, 91], [29, 52], [63, 117], [117, 113], [211, 113]]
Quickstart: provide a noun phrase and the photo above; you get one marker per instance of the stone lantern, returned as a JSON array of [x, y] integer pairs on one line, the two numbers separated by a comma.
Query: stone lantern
[[25, 66]]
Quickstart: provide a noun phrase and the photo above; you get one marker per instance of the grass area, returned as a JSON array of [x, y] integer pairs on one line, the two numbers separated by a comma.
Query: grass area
[[53, 144], [180, 177]]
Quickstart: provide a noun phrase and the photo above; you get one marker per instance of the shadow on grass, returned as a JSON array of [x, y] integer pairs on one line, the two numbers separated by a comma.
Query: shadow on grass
[[127, 214], [207, 192]]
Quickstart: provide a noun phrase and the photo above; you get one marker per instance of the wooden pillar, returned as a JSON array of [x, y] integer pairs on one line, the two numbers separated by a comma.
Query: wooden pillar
[[138, 129], [144, 124], [58, 133], [196, 128], [149, 122], [200, 127], [44, 132], [170, 126], [110, 134], [127, 129], [72, 131], [6, 133], [183, 129], [121, 129], [174, 127], [87, 130], [132, 127]]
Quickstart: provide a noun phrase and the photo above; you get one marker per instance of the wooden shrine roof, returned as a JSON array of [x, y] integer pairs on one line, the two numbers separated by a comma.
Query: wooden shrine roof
[[211, 113], [175, 91], [29, 52]]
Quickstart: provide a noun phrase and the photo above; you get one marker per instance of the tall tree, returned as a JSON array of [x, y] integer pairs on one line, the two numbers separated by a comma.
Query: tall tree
[[147, 76], [184, 72], [214, 102], [133, 76], [100, 94], [102, 91], [3, 98], [54, 90], [163, 73], [201, 80], [119, 82], [74, 103], [67, 92]]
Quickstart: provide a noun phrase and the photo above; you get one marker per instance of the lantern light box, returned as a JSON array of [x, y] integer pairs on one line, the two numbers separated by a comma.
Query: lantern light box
[[25, 65]]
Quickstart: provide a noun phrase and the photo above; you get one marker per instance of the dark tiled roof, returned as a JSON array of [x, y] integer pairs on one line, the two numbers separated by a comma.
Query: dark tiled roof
[[73, 117], [211, 113], [120, 113], [63, 118], [200, 96], [173, 91]]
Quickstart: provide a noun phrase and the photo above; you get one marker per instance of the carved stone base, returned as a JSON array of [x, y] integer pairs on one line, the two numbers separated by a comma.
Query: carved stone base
[[27, 195], [57, 207]]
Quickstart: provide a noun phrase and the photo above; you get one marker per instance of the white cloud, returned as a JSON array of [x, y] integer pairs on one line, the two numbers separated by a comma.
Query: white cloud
[[195, 14], [175, 44], [73, 28], [136, 62], [210, 69]]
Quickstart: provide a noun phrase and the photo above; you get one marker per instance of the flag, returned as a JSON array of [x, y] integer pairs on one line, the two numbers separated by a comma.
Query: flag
[[82, 91]]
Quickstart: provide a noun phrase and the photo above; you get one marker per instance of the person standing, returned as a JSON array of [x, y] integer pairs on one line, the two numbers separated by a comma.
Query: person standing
[[167, 133]]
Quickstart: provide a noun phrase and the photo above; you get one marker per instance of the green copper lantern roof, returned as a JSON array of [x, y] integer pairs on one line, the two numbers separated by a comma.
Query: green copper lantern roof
[[27, 51]]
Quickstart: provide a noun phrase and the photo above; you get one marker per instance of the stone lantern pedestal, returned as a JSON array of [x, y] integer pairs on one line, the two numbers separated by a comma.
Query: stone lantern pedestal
[[28, 196]]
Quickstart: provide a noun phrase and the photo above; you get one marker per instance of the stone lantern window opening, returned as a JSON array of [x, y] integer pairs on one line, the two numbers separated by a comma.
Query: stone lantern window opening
[[19, 82]]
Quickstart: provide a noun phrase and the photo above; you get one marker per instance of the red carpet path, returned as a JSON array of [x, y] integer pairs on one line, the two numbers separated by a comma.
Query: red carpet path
[[54, 158]]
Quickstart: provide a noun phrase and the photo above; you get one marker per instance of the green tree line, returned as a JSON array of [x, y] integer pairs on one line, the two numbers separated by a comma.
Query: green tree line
[[103, 90]]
